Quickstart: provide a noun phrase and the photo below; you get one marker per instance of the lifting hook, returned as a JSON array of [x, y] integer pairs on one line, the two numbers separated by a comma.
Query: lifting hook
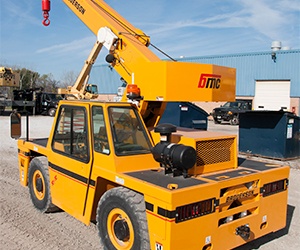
[[46, 9]]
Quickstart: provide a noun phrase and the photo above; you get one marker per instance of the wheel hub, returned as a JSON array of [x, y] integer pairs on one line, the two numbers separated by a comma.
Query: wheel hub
[[39, 185], [121, 230]]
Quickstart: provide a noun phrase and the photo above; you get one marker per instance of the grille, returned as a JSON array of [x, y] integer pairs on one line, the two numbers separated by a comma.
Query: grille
[[214, 151]]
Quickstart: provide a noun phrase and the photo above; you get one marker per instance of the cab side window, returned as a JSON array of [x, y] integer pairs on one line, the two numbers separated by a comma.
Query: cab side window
[[70, 136], [99, 130]]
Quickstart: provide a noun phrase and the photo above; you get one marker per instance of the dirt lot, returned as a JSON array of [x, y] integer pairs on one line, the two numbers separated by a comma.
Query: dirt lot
[[22, 227]]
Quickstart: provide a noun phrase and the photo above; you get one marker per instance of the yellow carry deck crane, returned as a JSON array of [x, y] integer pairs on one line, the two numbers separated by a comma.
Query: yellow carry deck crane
[[9, 78], [100, 162]]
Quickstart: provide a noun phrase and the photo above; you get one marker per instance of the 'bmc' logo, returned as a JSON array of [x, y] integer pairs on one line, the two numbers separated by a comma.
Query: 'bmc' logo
[[209, 81]]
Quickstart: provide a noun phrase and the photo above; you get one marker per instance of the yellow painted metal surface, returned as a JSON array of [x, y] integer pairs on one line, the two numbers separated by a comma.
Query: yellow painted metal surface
[[266, 214], [173, 81], [25, 147], [23, 162]]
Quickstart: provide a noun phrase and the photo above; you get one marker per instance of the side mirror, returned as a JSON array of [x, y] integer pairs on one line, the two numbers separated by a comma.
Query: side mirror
[[15, 125]]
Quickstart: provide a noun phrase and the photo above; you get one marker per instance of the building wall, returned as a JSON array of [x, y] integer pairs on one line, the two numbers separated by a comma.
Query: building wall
[[107, 79], [259, 66]]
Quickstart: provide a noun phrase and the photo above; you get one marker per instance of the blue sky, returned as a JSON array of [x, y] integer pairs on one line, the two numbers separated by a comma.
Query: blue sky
[[180, 28]]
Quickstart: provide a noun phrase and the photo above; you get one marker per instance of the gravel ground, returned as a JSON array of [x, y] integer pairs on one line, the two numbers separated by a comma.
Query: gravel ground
[[23, 227]]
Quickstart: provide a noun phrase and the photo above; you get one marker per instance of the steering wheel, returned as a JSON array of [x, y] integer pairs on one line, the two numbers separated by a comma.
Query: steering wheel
[[80, 144]]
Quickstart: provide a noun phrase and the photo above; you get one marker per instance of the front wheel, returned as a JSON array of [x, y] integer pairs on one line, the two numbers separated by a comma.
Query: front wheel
[[217, 121], [234, 120], [39, 185], [51, 112], [121, 220]]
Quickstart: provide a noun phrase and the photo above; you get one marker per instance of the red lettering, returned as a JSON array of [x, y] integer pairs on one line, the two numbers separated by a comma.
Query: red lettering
[[202, 81], [209, 81]]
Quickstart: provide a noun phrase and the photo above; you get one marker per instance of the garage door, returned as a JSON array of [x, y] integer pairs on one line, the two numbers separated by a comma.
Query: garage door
[[272, 95]]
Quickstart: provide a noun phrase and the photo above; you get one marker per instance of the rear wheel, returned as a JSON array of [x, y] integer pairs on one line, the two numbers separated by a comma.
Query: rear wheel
[[2, 109], [39, 185], [121, 220]]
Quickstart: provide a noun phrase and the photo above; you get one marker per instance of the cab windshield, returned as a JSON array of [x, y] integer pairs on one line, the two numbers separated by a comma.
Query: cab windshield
[[54, 97], [231, 104], [93, 89], [129, 135]]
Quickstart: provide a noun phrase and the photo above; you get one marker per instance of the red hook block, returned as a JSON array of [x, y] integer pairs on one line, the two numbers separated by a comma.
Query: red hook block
[[46, 9]]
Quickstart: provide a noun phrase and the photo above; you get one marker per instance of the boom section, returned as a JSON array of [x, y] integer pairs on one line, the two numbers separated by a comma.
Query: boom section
[[130, 45], [157, 80]]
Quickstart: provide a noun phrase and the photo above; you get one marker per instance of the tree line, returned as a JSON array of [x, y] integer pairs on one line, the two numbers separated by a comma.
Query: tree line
[[31, 79]]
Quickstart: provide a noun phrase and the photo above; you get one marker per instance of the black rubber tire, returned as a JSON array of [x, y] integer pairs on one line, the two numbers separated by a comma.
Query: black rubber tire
[[2, 109], [234, 120], [133, 205], [51, 112], [38, 175], [217, 121]]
